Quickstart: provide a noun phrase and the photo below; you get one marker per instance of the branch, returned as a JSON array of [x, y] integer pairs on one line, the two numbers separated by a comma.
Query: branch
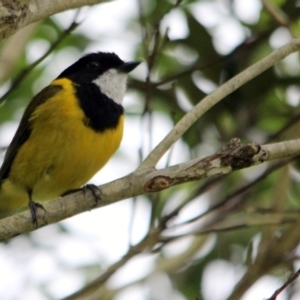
[[225, 227], [233, 156], [273, 250], [20, 77], [279, 16], [13, 49], [169, 265], [229, 198], [15, 15], [224, 90], [146, 244], [291, 279]]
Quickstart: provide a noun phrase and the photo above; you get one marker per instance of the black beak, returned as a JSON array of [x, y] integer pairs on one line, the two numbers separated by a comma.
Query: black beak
[[129, 66]]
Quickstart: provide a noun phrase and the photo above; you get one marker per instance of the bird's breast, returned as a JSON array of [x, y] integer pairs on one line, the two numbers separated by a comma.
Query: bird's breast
[[67, 152]]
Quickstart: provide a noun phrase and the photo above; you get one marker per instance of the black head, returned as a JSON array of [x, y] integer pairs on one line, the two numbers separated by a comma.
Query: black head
[[91, 66]]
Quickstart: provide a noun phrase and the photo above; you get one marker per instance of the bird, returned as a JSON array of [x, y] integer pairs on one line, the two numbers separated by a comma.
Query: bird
[[67, 133]]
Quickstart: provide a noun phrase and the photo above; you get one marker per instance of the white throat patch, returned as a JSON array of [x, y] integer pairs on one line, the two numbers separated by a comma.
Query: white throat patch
[[113, 84]]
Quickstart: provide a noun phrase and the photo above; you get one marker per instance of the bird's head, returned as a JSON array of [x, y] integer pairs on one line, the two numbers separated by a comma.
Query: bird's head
[[106, 70]]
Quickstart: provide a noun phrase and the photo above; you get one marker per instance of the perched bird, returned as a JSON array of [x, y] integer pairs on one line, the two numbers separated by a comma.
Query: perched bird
[[67, 133]]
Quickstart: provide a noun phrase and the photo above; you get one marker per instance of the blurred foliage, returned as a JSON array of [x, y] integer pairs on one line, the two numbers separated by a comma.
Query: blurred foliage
[[267, 108]]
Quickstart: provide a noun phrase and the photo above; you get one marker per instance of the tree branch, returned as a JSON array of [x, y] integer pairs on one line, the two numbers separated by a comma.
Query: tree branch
[[273, 250], [15, 15], [233, 156], [291, 279], [169, 265], [145, 244], [20, 77], [13, 49]]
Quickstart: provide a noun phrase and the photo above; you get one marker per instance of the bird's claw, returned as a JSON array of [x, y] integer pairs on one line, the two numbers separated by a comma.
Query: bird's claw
[[33, 206], [94, 190]]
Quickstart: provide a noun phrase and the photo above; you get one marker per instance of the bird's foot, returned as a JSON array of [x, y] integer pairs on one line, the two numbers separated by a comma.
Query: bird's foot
[[95, 191], [33, 206]]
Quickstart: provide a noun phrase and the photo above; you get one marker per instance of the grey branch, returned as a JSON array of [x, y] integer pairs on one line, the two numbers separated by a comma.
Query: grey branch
[[15, 15], [233, 156]]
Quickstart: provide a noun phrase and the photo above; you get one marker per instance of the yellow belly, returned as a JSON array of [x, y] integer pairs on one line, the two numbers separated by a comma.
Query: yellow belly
[[61, 153]]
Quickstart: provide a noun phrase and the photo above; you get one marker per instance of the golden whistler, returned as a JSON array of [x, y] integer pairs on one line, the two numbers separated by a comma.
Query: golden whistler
[[67, 133]]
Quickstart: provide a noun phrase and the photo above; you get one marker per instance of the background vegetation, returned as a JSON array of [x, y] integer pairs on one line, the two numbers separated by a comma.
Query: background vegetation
[[230, 237]]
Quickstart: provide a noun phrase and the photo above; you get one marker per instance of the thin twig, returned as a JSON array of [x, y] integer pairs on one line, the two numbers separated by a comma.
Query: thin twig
[[200, 191], [228, 198], [216, 229], [291, 122], [279, 16], [291, 279], [146, 244], [188, 71], [17, 81]]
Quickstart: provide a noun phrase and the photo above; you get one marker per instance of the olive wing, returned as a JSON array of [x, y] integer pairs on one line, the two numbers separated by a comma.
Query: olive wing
[[23, 132]]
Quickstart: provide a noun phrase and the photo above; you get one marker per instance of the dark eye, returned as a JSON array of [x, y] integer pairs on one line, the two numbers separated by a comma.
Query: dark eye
[[93, 65]]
